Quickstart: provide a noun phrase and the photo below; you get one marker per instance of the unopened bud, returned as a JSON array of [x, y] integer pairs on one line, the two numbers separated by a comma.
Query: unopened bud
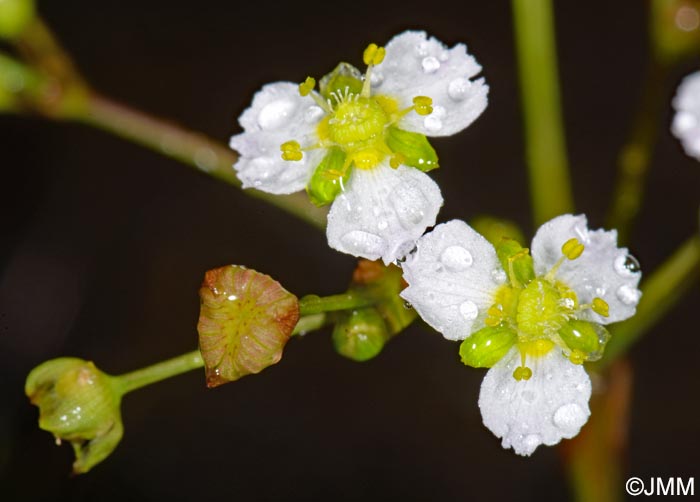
[[361, 335]]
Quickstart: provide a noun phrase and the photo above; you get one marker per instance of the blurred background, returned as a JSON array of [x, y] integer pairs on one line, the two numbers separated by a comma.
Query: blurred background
[[105, 245]]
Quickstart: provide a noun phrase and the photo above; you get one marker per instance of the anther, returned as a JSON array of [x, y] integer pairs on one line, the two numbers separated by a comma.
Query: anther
[[522, 373], [396, 160], [373, 54], [577, 356], [291, 150], [494, 316], [423, 105], [600, 307], [572, 249], [307, 86]]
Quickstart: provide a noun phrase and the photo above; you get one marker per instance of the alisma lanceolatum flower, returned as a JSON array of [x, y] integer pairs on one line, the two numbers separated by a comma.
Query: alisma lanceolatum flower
[[359, 142], [532, 317]]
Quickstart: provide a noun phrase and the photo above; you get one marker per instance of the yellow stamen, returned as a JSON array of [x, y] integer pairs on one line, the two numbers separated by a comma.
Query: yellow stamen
[[577, 356], [397, 160], [423, 105], [572, 249], [373, 54], [291, 150], [522, 373], [307, 86], [600, 307], [494, 316]]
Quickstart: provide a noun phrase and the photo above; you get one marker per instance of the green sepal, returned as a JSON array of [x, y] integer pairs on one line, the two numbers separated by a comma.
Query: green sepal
[[328, 178], [344, 75], [414, 147], [588, 337], [487, 346], [510, 253], [361, 335]]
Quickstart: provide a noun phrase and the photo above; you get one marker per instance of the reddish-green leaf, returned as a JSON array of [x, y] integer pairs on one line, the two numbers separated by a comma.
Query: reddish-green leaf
[[245, 320]]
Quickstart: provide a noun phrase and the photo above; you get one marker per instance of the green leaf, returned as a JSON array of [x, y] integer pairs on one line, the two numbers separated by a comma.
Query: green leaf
[[516, 259], [245, 321], [343, 76], [329, 178], [414, 147], [487, 346]]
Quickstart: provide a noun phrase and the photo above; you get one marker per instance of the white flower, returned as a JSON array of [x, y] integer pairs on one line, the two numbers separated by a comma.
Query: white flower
[[533, 319], [686, 122], [359, 142]]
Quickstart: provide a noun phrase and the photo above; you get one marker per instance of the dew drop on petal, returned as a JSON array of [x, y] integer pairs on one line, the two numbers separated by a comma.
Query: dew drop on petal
[[626, 265], [430, 64], [531, 442], [276, 114], [422, 49], [313, 114], [382, 224], [628, 295], [469, 310], [361, 242], [458, 89], [498, 275], [432, 124], [570, 417], [376, 78], [456, 258]]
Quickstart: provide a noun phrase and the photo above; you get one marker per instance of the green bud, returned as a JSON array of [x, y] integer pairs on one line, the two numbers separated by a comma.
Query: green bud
[[512, 254], [361, 335], [495, 229], [77, 403], [414, 149], [588, 337], [328, 178], [343, 76], [487, 346], [15, 15]]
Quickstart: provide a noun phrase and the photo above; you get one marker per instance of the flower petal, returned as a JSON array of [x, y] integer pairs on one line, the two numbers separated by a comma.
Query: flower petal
[[382, 212], [686, 122], [551, 405], [452, 278], [278, 114], [603, 270], [417, 66]]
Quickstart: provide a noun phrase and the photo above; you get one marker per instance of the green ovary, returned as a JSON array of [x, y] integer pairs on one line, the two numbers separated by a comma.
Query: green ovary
[[357, 121]]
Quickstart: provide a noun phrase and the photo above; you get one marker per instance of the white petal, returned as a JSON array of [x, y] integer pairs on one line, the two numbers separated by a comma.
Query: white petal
[[686, 123], [382, 212], [452, 278], [551, 405], [278, 114], [603, 270], [417, 66]]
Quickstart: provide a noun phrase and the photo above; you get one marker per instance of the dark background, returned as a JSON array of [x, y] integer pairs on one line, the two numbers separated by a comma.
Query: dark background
[[105, 244]]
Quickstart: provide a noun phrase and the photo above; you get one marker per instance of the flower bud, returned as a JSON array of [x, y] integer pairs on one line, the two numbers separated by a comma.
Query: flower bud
[[77, 403], [361, 335], [15, 15]]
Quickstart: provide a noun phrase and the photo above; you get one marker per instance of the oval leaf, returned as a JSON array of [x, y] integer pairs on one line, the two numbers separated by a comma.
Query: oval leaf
[[245, 321]]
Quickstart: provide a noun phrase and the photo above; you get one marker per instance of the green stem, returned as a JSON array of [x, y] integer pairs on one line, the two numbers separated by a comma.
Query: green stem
[[166, 369], [310, 323], [661, 292], [550, 187], [313, 304], [635, 157]]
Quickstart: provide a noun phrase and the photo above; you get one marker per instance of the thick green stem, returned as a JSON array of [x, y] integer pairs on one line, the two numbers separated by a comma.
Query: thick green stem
[[160, 371], [313, 304], [550, 188], [635, 157], [661, 292]]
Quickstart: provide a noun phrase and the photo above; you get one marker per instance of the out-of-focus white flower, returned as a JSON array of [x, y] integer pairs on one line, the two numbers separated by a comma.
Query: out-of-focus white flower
[[360, 141], [534, 319], [686, 122]]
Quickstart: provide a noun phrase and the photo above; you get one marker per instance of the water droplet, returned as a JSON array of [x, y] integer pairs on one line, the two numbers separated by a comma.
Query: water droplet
[[382, 224], [456, 258], [458, 89], [422, 49], [377, 78], [531, 442], [430, 64], [313, 114], [628, 295], [409, 205], [498, 275], [469, 310], [276, 114], [432, 123], [407, 305], [528, 396], [232, 298], [570, 418], [626, 265], [360, 242]]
